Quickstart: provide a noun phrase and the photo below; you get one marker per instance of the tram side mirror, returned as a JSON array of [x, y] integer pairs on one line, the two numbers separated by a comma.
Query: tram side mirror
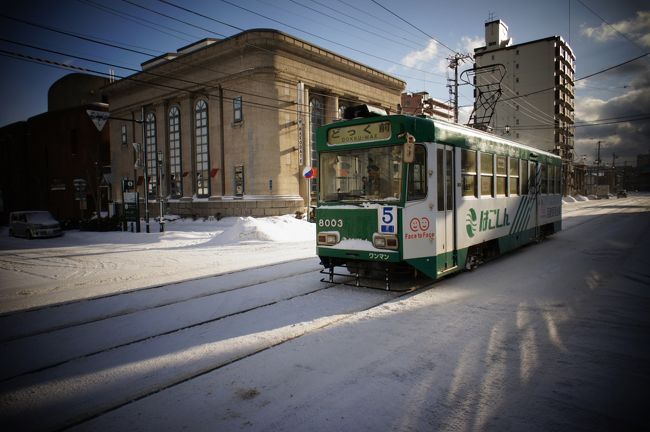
[[409, 149]]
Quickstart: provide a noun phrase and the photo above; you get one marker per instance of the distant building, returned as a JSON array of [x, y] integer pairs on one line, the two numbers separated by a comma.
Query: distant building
[[421, 104], [536, 106], [643, 172], [58, 160], [234, 121]]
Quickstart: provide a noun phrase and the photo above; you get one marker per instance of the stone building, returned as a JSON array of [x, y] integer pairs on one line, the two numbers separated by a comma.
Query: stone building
[[58, 160], [229, 124]]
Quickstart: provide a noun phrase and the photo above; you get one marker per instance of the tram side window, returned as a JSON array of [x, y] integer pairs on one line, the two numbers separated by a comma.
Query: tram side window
[[513, 173], [502, 175], [558, 179], [487, 174], [524, 177], [417, 175], [468, 168], [551, 179], [532, 175], [544, 179]]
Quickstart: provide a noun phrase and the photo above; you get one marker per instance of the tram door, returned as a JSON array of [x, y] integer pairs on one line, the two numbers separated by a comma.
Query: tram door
[[445, 232]]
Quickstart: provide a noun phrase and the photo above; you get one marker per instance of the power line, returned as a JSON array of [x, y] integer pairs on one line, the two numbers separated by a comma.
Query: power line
[[412, 25], [291, 27], [578, 79], [611, 26], [113, 45], [141, 21]]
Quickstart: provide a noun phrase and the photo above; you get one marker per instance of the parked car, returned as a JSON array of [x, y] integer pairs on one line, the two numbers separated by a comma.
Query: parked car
[[33, 224], [621, 194]]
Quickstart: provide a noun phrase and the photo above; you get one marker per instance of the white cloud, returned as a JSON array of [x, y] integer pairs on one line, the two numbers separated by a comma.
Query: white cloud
[[469, 43], [637, 28], [415, 58]]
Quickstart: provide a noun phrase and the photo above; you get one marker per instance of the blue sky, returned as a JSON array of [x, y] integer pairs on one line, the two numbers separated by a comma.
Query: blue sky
[[360, 29]]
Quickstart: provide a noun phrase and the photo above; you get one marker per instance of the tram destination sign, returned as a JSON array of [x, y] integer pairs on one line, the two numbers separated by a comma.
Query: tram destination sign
[[377, 131]]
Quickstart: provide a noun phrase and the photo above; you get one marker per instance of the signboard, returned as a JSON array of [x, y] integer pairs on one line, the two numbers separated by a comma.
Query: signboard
[[387, 219], [79, 189], [127, 185], [369, 132], [131, 206]]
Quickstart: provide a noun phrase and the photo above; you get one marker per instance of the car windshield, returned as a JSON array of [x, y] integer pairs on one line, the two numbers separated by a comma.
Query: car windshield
[[372, 174], [41, 217]]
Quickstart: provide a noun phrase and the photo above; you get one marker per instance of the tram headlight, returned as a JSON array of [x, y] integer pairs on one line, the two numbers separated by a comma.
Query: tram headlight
[[328, 238], [385, 241]]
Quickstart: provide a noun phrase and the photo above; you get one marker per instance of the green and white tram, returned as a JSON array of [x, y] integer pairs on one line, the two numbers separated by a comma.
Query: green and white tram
[[410, 194]]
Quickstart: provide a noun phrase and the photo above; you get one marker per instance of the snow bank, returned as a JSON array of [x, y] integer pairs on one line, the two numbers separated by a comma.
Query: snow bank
[[568, 199], [581, 198], [242, 229]]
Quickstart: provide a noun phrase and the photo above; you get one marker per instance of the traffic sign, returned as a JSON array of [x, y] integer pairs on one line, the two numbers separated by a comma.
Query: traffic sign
[[98, 118]]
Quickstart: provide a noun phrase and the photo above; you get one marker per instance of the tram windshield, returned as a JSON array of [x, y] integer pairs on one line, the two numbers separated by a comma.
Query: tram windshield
[[370, 174]]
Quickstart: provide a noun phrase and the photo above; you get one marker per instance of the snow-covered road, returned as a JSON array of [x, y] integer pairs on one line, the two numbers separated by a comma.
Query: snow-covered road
[[553, 337]]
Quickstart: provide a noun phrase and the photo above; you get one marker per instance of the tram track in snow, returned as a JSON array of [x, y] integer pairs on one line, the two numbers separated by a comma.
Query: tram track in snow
[[364, 300], [28, 323], [198, 374], [30, 341]]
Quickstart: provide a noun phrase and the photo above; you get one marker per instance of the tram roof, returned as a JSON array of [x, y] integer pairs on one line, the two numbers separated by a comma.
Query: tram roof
[[426, 129]]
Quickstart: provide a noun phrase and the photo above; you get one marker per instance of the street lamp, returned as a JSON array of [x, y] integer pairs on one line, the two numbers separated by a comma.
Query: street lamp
[[161, 159]]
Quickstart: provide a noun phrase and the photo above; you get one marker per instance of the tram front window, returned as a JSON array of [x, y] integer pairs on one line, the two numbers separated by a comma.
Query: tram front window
[[359, 175]]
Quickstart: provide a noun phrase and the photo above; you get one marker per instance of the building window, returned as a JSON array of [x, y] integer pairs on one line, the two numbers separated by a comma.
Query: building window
[[202, 149], [123, 136], [317, 119], [237, 112], [151, 154], [468, 168], [175, 165], [487, 174]]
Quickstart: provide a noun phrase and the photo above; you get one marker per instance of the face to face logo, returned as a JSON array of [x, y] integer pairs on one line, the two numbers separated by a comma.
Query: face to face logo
[[472, 223]]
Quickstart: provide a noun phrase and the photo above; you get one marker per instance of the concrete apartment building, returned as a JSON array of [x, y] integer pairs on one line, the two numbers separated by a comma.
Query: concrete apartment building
[[542, 72], [235, 120]]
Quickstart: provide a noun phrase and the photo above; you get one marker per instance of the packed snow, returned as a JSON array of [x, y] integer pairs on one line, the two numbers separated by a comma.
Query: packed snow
[[88, 264], [552, 337]]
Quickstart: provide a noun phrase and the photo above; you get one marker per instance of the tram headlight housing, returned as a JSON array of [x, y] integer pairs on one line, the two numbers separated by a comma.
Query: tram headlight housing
[[385, 241], [328, 238]]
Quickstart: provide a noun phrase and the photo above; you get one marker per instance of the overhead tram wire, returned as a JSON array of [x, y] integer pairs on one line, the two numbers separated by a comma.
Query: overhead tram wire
[[293, 28], [623, 35], [141, 21], [78, 36], [48, 62], [113, 45], [366, 14], [60, 65], [412, 25], [578, 79], [352, 24], [222, 35], [137, 71]]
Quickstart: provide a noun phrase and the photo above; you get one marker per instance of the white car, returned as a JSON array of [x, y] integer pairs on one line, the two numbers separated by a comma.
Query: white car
[[33, 224]]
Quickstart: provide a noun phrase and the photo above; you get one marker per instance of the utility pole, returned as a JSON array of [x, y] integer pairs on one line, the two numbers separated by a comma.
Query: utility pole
[[454, 61]]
